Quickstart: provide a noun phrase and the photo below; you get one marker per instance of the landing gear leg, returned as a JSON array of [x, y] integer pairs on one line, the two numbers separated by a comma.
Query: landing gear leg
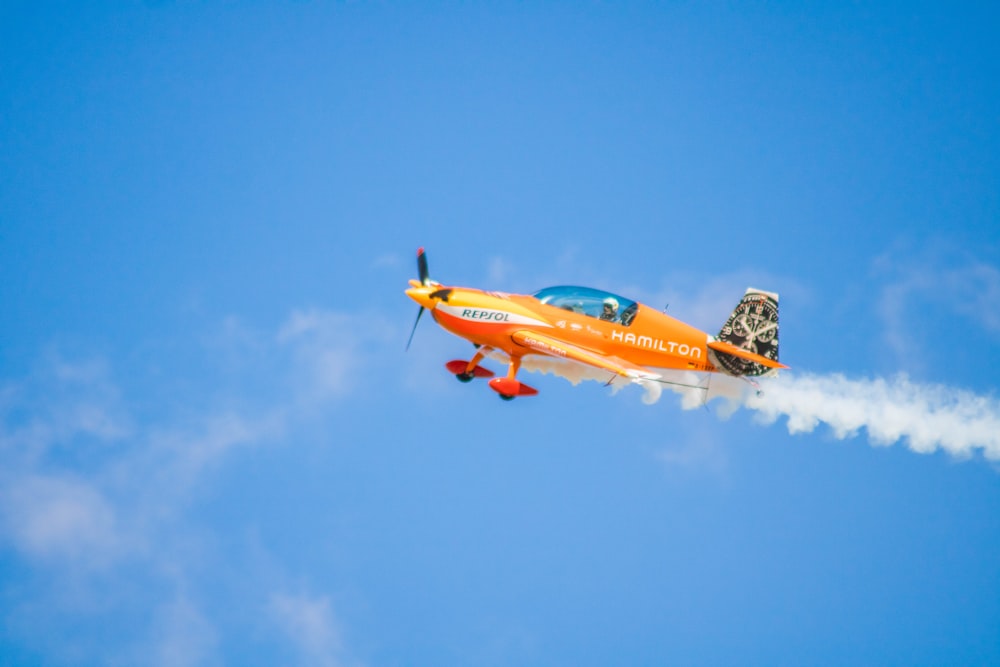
[[513, 368], [470, 368], [465, 371], [515, 365], [508, 387]]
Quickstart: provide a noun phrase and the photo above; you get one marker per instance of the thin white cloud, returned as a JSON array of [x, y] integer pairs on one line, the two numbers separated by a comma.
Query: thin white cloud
[[696, 454], [387, 260], [329, 350], [896, 332], [963, 286], [707, 302], [63, 401], [499, 271], [61, 520], [87, 488], [310, 623], [178, 456], [182, 636], [98, 506]]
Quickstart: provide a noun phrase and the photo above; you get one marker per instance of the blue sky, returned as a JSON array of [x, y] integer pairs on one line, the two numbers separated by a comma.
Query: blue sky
[[214, 449]]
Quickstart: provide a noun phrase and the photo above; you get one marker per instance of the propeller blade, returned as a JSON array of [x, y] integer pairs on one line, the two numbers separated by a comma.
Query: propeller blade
[[422, 267], [419, 313]]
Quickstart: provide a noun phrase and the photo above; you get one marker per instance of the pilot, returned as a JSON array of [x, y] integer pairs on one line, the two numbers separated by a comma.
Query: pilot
[[610, 310]]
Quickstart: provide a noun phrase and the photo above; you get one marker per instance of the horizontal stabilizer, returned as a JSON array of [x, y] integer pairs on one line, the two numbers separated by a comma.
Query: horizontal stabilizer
[[729, 348]]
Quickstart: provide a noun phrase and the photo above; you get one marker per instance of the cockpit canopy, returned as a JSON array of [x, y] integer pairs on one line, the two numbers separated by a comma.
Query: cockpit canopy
[[591, 302]]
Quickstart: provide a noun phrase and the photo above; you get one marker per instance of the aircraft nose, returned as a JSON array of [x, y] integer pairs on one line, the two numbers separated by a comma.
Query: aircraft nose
[[422, 295]]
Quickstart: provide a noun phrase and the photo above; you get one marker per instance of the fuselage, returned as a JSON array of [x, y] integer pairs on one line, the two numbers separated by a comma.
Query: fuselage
[[652, 339]]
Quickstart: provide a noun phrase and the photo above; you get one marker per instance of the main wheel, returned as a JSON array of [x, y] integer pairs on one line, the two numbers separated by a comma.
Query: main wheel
[[506, 397], [464, 377]]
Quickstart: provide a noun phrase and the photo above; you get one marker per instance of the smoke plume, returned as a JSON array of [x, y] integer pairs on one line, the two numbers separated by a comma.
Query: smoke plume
[[925, 416]]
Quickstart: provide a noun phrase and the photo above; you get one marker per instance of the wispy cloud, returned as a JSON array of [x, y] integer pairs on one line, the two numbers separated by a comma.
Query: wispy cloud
[[88, 489], [61, 519], [499, 271], [173, 458], [388, 260], [960, 285], [310, 623], [64, 401], [698, 453], [182, 636], [327, 350]]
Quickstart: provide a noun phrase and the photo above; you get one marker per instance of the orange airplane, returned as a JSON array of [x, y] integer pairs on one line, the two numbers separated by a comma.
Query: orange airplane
[[596, 328]]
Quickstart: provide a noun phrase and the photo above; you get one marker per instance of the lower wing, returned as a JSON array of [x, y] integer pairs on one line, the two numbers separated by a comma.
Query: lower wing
[[554, 347]]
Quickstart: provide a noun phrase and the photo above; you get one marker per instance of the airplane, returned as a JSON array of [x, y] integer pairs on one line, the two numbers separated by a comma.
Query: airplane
[[602, 330]]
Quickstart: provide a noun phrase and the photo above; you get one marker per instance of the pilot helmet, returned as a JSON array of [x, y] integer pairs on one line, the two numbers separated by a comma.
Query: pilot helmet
[[611, 301]]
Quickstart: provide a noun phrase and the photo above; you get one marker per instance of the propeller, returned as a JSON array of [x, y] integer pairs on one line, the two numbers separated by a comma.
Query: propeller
[[421, 291], [425, 280], [419, 313]]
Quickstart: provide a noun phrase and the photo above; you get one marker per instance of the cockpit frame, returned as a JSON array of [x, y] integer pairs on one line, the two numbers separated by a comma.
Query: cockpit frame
[[590, 302]]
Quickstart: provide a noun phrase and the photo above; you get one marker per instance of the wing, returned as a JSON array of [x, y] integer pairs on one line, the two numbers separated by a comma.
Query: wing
[[555, 347]]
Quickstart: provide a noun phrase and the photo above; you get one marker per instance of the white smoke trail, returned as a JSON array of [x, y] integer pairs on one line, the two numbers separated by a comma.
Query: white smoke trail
[[927, 417]]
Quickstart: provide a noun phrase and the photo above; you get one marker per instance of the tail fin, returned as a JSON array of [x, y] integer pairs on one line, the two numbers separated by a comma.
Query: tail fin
[[753, 328]]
